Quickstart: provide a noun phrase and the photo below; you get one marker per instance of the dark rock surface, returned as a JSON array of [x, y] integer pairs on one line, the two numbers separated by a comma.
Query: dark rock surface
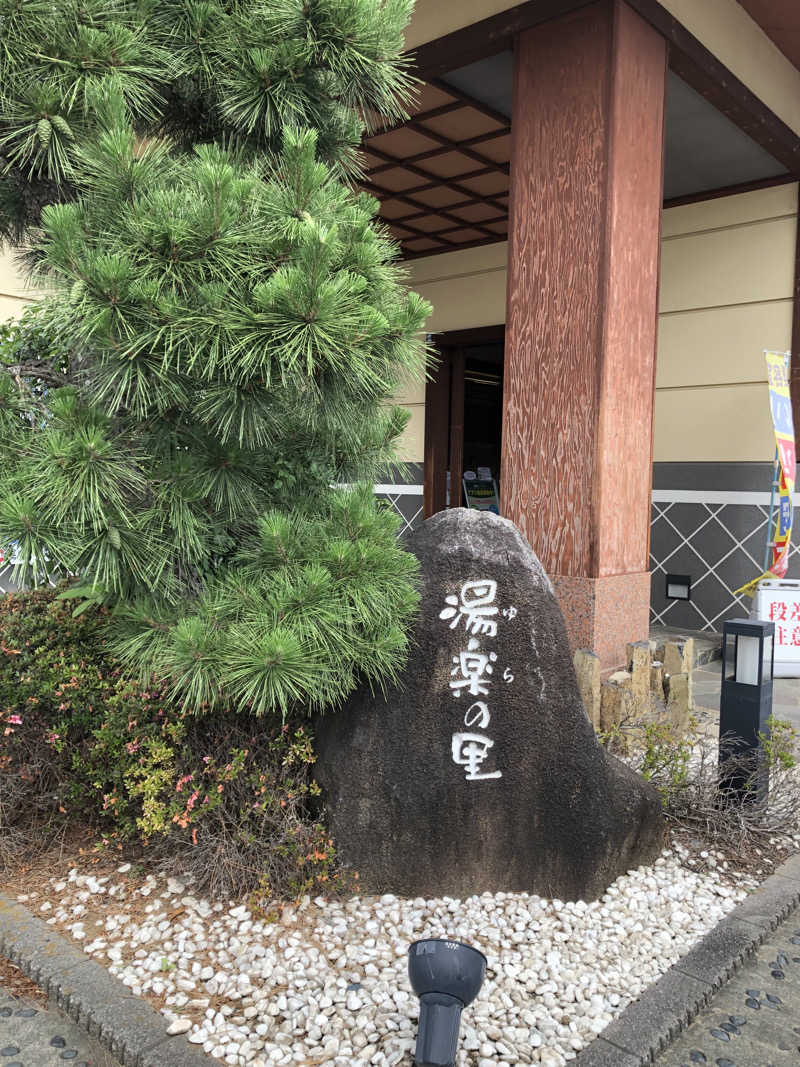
[[504, 786]]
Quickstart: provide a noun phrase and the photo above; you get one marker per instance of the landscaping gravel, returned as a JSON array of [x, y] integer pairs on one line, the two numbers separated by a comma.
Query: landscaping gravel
[[325, 982]]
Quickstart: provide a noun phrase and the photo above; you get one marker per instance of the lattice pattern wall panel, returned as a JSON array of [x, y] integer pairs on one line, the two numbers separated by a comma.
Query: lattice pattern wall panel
[[406, 500], [721, 546]]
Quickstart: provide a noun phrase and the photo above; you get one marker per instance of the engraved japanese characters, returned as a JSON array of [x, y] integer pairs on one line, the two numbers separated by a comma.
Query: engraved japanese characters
[[474, 671]]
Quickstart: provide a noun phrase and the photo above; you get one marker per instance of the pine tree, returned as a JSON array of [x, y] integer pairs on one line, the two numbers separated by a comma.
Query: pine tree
[[192, 70], [227, 327]]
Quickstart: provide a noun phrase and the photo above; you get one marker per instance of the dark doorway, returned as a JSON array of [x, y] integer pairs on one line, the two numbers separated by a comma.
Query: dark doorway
[[463, 415]]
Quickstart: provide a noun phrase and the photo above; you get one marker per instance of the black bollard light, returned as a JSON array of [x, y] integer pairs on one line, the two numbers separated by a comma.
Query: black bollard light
[[446, 976], [745, 706]]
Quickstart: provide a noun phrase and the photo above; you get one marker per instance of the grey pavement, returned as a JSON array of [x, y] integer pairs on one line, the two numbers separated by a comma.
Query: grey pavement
[[35, 1036], [785, 693], [754, 1019]]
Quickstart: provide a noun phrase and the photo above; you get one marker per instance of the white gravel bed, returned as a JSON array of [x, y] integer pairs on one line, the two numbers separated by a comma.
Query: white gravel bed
[[327, 983]]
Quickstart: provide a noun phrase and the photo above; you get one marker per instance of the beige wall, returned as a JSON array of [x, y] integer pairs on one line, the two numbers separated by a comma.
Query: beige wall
[[727, 272], [14, 294], [467, 289], [435, 18], [723, 26]]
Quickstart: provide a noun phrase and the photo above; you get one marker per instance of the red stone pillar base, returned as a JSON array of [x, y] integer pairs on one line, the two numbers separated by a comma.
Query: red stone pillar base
[[604, 614]]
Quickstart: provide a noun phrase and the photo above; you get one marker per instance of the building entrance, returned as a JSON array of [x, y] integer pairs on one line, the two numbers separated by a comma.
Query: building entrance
[[463, 420]]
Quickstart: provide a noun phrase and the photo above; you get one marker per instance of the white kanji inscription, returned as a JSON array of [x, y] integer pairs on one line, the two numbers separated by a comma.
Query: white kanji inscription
[[470, 751], [477, 714], [473, 666], [476, 607], [510, 613]]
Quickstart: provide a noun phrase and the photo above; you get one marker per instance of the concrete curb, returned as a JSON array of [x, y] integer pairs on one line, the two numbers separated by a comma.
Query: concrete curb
[[667, 1007], [126, 1025]]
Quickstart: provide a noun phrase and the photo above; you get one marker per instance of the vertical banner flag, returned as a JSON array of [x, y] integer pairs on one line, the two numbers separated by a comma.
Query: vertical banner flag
[[780, 402]]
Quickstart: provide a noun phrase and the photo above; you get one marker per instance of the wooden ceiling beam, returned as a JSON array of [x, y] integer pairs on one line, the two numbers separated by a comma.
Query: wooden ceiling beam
[[433, 178], [730, 190], [495, 239], [441, 212], [471, 226], [414, 215], [421, 233], [470, 101], [475, 198], [432, 152], [456, 146], [423, 116], [450, 207]]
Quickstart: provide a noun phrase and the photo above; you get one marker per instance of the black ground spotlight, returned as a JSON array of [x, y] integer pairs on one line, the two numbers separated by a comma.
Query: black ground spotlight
[[446, 976]]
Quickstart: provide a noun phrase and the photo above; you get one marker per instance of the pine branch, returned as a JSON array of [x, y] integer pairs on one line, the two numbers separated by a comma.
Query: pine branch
[[37, 370], [228, 327]]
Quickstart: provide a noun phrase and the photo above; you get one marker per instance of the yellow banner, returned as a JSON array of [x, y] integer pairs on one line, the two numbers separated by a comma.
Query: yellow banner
[[780, 402]]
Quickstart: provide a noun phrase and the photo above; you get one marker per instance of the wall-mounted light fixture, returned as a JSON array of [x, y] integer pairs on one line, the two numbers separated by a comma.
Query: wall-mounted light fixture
[[678, 587]]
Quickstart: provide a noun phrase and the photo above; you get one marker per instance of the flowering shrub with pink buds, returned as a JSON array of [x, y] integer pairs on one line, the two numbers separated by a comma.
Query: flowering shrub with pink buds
[[225, 796]]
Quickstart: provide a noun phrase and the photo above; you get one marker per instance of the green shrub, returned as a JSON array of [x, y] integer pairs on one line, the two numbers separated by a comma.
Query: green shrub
[[54, 682], [221, 796], [683, 765], [666, 757]]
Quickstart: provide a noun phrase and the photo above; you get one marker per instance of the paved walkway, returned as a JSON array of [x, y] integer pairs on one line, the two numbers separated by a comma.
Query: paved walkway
[[707, 645], [33, 1036], [754, 1020], [785, 693]]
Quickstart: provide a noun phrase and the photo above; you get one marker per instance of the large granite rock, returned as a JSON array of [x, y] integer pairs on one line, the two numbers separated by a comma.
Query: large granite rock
[[481, 770]]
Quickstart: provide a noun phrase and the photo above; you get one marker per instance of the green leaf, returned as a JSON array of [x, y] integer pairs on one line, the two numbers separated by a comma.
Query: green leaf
[[76, 592], [84, 607]]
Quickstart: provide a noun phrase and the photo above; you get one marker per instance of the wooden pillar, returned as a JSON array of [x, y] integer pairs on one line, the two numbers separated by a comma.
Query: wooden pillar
[[437, 417], [456, 464], [587, 174]]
